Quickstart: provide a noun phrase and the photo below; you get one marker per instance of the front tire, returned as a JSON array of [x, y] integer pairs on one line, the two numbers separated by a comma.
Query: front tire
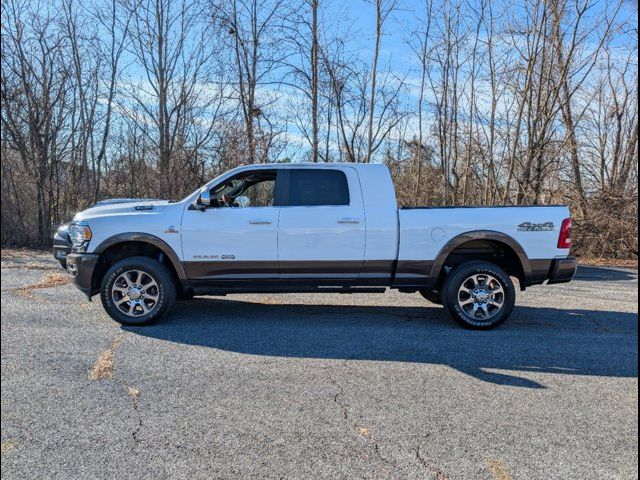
[[137, 291], [479, 295]]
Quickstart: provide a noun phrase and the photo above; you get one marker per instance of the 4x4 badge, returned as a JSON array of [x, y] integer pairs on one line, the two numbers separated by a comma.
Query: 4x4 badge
[[536, 227]]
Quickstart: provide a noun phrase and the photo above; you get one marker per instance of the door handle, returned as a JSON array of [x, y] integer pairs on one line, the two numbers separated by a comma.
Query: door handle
[[260, 221], [349, 220]]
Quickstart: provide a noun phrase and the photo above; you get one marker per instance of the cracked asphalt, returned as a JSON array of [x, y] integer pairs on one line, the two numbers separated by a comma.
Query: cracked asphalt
[[319, 386]]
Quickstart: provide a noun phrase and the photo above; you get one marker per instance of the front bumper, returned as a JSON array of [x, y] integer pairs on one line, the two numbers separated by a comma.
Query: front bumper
[[562, 270], [81, 267], [62, 245]]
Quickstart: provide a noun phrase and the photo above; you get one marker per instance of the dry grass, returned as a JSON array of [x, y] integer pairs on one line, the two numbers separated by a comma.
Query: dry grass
[[9, 253], [271, 301], [609, 262], [7, 446], [133, 393], [103, 368], [498, 469], [50, 280], [31, 266]]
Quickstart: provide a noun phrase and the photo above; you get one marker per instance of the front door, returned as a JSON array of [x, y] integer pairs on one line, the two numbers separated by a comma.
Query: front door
[[321, 234], [236, 238]]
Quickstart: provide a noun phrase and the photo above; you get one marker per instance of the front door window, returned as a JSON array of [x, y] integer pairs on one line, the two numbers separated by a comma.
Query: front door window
[[251, 189]]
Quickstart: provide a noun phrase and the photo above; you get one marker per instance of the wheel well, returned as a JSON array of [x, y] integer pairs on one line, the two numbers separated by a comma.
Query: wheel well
[[492, 251], [122, 250]]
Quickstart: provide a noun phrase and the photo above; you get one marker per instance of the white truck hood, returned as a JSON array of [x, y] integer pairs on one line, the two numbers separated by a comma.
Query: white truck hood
[[121, 206]]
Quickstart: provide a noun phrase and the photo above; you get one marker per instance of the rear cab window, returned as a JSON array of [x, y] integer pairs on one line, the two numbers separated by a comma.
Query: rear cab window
[[311, 187]]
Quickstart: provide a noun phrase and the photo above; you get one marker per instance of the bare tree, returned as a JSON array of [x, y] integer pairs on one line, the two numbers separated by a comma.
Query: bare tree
[[384, 8], [422, 49], [254, 27], [314, 79], [303, 72], [518, 103], [444, 85], [34, 92], [96, 43], [173, 42]]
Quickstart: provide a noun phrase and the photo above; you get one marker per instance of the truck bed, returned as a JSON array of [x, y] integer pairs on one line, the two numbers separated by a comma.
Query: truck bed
[[428, 233]]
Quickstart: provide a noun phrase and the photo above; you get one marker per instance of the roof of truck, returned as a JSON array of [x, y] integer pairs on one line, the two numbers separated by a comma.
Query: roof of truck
[[312, 165]]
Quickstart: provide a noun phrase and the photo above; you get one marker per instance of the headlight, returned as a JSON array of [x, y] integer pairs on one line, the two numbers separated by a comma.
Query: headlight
[[80, 235]]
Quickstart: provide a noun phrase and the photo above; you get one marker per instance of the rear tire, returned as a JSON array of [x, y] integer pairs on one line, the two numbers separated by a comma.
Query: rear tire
[[137, 291], [479, 295]]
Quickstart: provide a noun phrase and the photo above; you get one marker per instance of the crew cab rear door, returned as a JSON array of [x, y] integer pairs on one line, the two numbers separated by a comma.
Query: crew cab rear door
[[321, 232]]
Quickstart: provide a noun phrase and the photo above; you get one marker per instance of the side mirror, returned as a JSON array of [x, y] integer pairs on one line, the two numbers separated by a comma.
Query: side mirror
[[204, 199]]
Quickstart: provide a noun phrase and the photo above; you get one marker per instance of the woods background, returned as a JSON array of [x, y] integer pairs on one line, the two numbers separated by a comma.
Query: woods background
[[467, 101]]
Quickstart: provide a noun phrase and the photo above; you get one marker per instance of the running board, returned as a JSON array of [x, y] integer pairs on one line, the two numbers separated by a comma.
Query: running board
[[254, 290]]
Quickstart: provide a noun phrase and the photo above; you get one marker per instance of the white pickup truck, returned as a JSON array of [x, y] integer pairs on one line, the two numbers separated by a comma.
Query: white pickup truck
[[313, 228]]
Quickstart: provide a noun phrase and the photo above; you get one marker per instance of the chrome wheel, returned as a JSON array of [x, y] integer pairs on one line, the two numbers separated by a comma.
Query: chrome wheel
[[481, 297], [135, 293]]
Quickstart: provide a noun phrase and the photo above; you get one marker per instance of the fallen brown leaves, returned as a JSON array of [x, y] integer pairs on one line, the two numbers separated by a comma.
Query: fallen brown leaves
[[498, 469], [9, 253], [271, 301], [6, 446], [50, 280], [133, 393], [31, 266], [103, 368], [609, 262]]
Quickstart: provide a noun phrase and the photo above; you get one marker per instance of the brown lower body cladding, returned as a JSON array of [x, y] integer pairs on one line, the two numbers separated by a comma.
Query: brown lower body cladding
[[376, 272], [291, 269], [404, 273]]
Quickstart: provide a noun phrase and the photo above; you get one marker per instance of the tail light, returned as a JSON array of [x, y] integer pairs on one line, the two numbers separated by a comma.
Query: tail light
[[565, 234]]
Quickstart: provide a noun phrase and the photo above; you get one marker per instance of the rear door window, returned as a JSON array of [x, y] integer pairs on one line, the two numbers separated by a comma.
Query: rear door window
[[316, 187]]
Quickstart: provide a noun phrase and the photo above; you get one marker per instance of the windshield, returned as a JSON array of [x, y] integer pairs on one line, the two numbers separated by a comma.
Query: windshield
[[212, 182]]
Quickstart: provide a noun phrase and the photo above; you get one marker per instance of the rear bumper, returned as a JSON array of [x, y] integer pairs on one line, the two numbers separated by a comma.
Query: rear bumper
[[562, 270], [81, 267]]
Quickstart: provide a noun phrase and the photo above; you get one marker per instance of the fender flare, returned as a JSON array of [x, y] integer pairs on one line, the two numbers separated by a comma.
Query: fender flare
[[455, 242], [145, 238]]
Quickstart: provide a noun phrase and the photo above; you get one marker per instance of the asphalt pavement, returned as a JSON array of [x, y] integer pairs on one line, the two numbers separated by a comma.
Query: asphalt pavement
[[319, 386]]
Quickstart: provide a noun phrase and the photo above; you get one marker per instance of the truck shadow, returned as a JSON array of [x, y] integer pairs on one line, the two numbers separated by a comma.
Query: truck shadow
[[547, 340], [604, 274]]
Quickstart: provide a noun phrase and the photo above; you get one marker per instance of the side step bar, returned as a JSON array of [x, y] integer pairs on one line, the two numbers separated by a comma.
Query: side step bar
[[239, 290]]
